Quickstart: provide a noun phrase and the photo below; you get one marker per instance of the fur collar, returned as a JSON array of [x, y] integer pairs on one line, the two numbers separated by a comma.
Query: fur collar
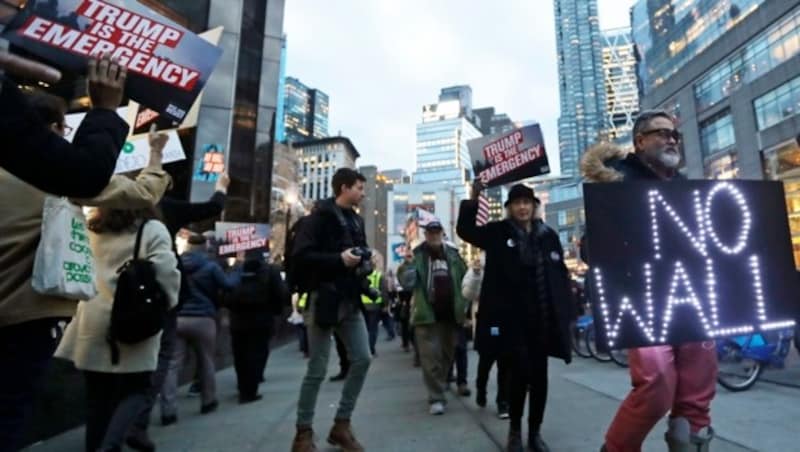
[[594, 166]]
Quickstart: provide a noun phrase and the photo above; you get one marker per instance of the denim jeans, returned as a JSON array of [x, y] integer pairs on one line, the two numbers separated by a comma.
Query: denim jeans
[[353, 332]]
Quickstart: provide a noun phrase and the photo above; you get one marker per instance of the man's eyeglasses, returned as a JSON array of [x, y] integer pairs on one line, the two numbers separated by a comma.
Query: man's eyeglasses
[[666, 134]]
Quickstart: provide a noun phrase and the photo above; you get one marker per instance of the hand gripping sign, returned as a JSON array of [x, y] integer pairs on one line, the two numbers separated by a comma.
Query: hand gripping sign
[[167, 64], [680, 262]]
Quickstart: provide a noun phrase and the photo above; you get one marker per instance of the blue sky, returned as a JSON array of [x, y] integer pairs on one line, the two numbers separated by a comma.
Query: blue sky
[[381, 60]]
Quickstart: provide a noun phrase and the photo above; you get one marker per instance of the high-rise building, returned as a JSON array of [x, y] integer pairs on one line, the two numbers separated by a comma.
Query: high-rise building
[[737, 97], [374, 208], [622, 93], [319, 160], [280, 114], [442, 136], [580, 76], [396, 176], [305, 111], [670, 33]]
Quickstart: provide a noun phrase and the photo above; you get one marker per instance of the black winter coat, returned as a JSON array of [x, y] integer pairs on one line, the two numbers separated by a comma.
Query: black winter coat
[[35, 154], [504, 283], [317, 252], [261, 296]]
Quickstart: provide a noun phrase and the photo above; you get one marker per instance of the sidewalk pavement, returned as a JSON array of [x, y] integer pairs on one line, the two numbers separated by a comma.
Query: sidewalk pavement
[[392, 413]]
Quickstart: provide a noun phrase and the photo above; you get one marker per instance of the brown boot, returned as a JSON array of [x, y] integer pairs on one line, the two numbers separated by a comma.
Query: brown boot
[[304, 440], [342, 435]]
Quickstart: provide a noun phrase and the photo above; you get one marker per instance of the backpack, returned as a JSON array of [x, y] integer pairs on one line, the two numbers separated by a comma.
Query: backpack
[[255, 291], [140, 303], [296, 279]]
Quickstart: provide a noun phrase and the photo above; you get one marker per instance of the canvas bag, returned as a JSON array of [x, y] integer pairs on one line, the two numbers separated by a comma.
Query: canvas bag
[[64, 266]]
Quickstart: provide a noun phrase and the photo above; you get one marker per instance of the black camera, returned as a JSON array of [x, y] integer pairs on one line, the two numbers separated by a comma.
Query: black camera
[[363, 270]]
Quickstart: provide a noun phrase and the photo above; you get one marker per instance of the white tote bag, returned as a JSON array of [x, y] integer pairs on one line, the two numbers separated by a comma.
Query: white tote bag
[[64, 266]]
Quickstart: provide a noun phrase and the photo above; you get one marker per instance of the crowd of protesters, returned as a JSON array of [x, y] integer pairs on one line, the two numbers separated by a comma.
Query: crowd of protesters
[[515, 300]]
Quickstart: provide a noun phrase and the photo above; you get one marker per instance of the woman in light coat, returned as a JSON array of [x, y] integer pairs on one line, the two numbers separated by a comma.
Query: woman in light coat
[[117, 393]]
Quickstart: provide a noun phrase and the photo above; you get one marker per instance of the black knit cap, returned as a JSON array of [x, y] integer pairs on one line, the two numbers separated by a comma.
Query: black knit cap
[[520, 191]]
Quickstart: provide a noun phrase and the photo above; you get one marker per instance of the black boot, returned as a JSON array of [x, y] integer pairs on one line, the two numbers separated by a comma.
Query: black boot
[[514, 443], [535, 442], [480, 399], [339, 377]]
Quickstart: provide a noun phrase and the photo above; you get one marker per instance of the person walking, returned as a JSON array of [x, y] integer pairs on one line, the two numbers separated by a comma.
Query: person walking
[[487, 357], [29, 320], [679, 380], [253, 305], [117, 391], [197, 327], [177, 214], [525, 308], [375, 303], [436, 270], [331, 250]]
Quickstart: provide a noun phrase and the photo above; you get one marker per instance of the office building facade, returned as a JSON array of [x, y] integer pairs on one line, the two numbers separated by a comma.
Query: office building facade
[[442, 155], [318, 162], [580, 77], [671, 33], [305, 112], [621, 85], [738, 101]]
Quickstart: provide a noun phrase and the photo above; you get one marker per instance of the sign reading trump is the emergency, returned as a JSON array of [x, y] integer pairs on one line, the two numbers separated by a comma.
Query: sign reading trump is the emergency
[[167, 64], [509, 157]]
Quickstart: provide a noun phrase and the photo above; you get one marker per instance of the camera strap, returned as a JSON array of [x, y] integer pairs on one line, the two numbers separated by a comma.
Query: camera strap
[[348, 236]]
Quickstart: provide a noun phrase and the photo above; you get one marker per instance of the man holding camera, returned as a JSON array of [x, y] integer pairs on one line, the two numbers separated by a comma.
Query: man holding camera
[[439, 309], [332, 252]]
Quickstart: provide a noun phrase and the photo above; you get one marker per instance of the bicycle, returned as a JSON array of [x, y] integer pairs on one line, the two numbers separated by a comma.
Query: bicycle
[[742, 359], [578, 336]]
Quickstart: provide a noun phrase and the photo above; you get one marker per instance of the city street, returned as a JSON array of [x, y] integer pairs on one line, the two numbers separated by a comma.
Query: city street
[[392, 413]]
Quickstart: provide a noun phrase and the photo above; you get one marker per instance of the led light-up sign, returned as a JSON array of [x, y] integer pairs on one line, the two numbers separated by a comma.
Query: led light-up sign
[[688, 261]]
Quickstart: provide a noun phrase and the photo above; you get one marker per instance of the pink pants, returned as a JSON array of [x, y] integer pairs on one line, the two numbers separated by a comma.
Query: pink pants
[[682, 379]]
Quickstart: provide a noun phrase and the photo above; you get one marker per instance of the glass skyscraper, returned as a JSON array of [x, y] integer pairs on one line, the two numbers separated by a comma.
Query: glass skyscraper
[[442, 136], [305, 112], [622, 94], [669, 33], [580, 76]]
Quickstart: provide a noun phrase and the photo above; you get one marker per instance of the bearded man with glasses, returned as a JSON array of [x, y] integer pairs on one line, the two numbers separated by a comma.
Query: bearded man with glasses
[[680, 379]]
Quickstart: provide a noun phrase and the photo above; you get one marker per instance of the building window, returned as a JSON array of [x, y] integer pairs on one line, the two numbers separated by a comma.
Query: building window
[[772, 47], [783, 163], [778, 104], [717, 134], [723, 166], [562, 218]]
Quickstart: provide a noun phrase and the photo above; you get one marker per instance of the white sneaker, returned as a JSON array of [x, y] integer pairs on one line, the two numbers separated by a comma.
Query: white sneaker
[[437, 408]]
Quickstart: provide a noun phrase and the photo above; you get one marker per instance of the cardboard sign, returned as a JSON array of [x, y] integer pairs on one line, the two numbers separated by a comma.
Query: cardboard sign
[[168, 65], [509, 157], [688, 261], [135, 152], [233, 238], [398, 251]]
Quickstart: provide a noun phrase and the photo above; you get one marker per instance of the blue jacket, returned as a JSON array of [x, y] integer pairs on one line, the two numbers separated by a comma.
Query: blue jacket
[[206, 278]]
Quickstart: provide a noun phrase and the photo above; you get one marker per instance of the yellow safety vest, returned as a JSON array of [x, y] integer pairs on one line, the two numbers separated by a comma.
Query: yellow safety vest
[[375, 283], [301, 303]]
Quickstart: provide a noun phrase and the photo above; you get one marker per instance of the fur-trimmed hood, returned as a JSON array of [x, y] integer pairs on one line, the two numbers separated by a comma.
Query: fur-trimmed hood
[[594, 164]]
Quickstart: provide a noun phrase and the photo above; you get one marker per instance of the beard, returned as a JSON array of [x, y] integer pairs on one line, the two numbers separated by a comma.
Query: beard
[[670, 160]]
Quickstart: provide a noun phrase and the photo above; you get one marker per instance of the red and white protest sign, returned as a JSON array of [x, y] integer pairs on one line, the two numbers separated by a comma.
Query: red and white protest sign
[[509, 157], [168, 65]]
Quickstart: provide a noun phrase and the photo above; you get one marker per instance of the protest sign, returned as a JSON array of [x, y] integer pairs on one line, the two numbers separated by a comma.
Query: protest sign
[[212, 165], [168, 65], [233, 238], [398, 251], [135, 153], [672, 263], [142, 117], [509, 157]]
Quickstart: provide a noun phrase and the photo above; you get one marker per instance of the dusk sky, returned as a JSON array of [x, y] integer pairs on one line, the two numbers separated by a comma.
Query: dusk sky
[[380, 61]]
